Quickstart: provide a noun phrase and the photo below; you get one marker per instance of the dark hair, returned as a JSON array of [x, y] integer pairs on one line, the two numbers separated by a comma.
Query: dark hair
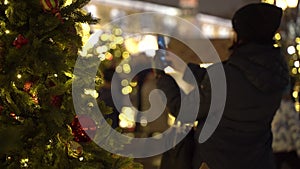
[[256, 22]]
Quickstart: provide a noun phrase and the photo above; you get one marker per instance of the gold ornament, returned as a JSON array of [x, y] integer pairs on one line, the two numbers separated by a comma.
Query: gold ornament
[[74, 149]]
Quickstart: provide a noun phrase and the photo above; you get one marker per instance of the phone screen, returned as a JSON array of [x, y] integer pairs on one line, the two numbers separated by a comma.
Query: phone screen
[[162, 49]]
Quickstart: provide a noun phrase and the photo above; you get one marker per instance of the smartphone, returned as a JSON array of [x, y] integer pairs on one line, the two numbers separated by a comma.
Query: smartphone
[[161, 53]]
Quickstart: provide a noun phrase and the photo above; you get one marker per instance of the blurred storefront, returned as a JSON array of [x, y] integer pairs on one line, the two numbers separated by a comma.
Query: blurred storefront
[[217, 29]]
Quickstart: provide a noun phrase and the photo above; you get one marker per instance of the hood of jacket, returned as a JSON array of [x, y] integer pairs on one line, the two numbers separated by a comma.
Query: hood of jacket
[[263, 65]]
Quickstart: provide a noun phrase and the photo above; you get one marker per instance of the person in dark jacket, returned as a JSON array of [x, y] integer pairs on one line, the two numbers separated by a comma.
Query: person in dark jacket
[[256, 75]]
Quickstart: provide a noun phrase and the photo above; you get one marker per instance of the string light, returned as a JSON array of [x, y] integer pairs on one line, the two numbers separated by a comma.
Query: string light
[[125, 55], [126, 68], [294, 71], [19, 76], [127, 90], [24, 162], [291, 50], [104, 37], [296, 63], [68, 2], [80, 158], [7, 31], [124, 82], [108, 56], [119, 69], [277, 36], [133, 84]]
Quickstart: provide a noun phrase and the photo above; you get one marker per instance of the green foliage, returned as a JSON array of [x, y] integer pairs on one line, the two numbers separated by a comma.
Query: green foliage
[[35, 89]]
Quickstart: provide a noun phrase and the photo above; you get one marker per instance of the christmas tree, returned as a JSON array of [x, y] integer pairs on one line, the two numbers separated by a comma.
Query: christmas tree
[[39, 44]]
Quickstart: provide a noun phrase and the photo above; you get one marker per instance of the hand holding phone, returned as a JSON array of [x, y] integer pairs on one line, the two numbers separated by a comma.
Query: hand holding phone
[[160, 56]]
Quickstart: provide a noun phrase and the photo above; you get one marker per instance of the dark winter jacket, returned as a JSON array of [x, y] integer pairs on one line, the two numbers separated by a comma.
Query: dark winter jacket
[[255, 76]]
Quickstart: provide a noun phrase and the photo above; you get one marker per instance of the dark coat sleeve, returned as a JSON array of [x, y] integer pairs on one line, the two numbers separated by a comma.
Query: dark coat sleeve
[[168, 85], [173, 93]]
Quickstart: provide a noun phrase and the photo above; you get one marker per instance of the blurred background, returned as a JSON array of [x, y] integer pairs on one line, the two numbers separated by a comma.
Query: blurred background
[[212, 17]]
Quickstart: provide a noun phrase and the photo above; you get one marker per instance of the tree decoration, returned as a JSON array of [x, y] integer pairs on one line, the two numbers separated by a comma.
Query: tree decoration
[[53, 7], [20, 41], [27, 86], [30, 121], [74, 149], [83, 128]]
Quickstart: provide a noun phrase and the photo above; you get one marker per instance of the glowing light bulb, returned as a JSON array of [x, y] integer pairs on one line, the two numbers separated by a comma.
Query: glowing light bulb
[[291, 50], [277, 36], [297, 63]]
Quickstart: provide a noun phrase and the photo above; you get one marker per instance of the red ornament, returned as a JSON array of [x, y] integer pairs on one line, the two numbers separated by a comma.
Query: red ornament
[[83, 128], [20, 41], [27, 86]]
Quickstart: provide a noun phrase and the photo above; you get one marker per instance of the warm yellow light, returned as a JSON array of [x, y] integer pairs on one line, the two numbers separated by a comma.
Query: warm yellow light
[[131, 45], [268, 1], [7, 31], [19, 76], [125, 55], [108, 56], [127, 117], [119, 40], [297, 40], [171, 119], [282, 4], [292, 3], [128, 111], [68, 2], [85, 34], [112, 45], [295, 94], [117, 31], [119, 69], [127, 90], [133, 84], [6, 2], [104, 37], [124, 82], [277, 36], [101, 57], [294, 71], [126, 68]]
